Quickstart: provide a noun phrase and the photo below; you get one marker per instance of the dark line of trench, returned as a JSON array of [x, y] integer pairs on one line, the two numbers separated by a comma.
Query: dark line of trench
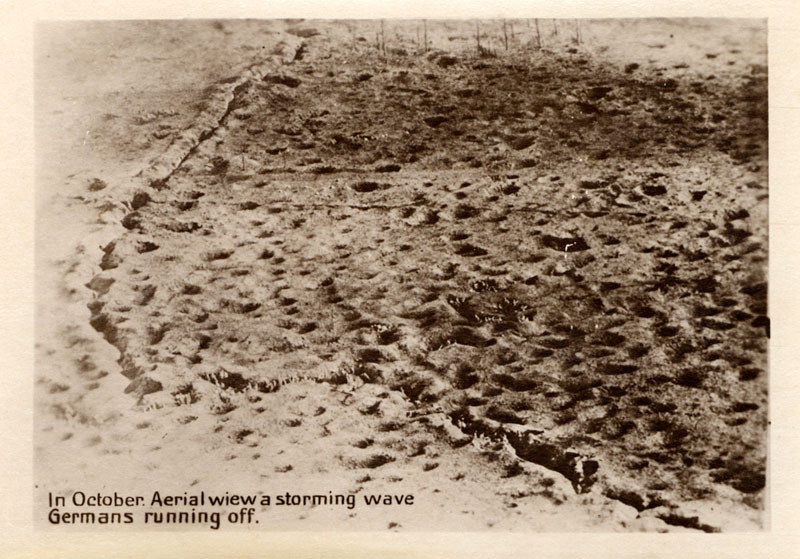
[[578, 469], [161, 182], [250, 70], [530, 209]]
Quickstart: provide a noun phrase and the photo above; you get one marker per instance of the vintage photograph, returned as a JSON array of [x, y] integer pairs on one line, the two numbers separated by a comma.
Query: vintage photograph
[[407, 275]]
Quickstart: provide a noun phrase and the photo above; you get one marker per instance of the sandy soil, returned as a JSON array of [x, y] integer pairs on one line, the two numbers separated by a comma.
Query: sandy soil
[[527, 287]]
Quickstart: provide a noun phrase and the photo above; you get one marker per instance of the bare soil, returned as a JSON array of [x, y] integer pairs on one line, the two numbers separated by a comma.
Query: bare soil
[[526, 285]]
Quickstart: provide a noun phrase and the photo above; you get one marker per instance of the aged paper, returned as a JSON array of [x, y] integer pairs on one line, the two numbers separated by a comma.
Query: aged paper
[[399, 280]]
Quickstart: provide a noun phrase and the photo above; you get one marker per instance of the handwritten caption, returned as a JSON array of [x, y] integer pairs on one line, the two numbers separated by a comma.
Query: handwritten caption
[[203, 509]]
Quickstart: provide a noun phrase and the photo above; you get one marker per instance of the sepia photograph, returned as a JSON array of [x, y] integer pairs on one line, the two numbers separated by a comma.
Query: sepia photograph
[[401, 275]]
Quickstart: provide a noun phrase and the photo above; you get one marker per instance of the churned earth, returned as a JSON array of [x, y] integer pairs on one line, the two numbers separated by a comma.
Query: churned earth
[[524, 282]]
